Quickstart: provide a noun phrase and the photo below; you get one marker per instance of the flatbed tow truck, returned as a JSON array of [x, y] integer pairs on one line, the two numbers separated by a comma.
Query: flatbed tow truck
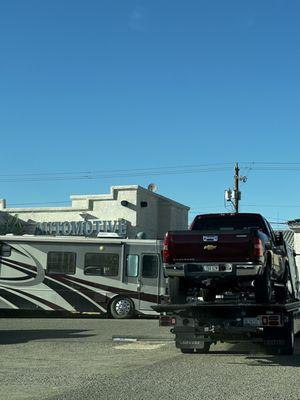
[[197, 326]]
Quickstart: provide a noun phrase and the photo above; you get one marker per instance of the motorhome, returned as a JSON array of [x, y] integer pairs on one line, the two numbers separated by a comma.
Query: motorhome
[[121, 277]]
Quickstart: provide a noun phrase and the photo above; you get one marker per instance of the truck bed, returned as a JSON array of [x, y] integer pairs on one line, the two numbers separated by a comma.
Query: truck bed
[[226, 305]]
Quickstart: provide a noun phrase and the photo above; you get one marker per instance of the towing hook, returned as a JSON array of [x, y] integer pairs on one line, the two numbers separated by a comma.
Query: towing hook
[[172, 330]]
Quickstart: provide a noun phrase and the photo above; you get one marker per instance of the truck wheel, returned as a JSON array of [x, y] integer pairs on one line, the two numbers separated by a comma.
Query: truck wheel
[[121, 308], [281, 293], [280, 340], [263, 286], [177, 290], [209, 295], [288, 348]]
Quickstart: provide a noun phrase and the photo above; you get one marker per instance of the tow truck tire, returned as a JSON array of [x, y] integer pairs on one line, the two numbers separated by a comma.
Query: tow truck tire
[[121, 307], [177, 290], [288, 349], [263, 286], [288, 334], [284, 339]]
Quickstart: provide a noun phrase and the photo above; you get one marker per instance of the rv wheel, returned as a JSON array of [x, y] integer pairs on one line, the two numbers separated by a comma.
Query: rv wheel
[[121, 308]]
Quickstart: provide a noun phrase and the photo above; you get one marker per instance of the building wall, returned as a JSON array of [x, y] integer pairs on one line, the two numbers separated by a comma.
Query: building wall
[[297, 245], [159, 215]]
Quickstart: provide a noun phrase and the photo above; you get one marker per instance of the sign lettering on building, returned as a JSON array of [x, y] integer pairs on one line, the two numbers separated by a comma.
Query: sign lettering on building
[[81, 228]]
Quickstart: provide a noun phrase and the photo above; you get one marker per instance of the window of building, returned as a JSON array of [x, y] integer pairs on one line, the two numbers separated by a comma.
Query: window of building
[[132, 265], [150, 266], [102, 264], [60, 262]]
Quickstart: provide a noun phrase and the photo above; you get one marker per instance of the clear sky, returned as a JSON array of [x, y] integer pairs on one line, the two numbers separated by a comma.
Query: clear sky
[[97, 93]]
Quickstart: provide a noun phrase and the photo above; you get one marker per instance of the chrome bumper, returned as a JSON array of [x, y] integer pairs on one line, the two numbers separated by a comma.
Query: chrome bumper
[[237, 269]]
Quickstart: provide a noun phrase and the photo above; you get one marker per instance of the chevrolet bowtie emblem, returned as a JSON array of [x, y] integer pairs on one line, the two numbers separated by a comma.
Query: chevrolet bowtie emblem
[[210, 247]]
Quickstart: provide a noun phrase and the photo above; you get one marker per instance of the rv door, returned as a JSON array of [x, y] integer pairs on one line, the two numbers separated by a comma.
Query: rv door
[[149, 280]]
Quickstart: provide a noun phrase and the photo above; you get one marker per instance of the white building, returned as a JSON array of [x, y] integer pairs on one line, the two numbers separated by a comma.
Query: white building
[[127, 211]]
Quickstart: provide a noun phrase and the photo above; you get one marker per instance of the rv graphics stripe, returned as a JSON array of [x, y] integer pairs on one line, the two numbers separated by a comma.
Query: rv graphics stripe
[[73, 297], [20, 264], [96, 297], [21, 269], [39, 299], [18, 301], [129, 293]]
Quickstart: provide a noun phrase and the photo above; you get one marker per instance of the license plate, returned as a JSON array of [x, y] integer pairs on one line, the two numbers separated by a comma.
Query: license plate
[[211, 268], [255, 321]]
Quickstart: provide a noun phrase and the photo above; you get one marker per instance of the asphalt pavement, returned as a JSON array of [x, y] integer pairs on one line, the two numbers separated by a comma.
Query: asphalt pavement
[[76, 359]]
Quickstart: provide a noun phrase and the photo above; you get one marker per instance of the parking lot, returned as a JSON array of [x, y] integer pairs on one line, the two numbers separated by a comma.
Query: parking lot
[[79, 359]]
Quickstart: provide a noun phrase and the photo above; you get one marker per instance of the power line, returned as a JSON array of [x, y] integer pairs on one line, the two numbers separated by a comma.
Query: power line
[[173, 170]]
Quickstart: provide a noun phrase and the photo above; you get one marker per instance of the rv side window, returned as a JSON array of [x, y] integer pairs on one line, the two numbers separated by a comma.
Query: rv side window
[[60, 262], [132, 265], [5, 250], [150, 266], [104, 264]]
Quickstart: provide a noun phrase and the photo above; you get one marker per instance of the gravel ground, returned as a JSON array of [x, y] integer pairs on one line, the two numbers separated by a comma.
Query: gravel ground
[[60, 359]]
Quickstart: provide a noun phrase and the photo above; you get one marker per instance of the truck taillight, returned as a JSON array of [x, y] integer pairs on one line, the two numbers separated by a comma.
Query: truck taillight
[[166, 250], [257, 247]]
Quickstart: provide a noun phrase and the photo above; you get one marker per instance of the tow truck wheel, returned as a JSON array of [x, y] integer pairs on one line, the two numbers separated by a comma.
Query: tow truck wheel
[[280, 341], [121, 308], [263, 286], [177, 290]]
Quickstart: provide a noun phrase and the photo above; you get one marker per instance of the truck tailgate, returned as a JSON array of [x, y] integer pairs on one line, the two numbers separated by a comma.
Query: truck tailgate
[[211, 247]]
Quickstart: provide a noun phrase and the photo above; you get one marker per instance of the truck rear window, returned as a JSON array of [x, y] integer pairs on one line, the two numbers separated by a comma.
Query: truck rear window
[[227, 223]]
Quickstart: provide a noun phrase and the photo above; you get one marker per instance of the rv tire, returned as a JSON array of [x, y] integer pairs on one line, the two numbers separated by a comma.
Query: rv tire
[[121, 307]]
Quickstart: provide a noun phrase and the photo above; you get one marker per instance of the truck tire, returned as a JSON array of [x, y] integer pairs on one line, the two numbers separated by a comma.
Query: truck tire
[[288, 348], [279, 341], [281, 292], [177, 290], [263, 286]]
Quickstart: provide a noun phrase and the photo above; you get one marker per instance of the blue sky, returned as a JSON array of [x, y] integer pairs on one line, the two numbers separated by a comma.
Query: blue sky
[[112, 85]]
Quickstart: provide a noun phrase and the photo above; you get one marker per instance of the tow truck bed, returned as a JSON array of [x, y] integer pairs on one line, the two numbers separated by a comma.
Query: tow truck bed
[[197, 325]]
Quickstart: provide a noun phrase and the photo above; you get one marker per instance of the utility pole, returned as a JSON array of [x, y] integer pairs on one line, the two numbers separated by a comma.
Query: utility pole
[[234, 195], [236, 188]]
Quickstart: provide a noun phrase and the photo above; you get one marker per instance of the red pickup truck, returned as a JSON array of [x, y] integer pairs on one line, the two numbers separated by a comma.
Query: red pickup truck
[[226, 253]]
